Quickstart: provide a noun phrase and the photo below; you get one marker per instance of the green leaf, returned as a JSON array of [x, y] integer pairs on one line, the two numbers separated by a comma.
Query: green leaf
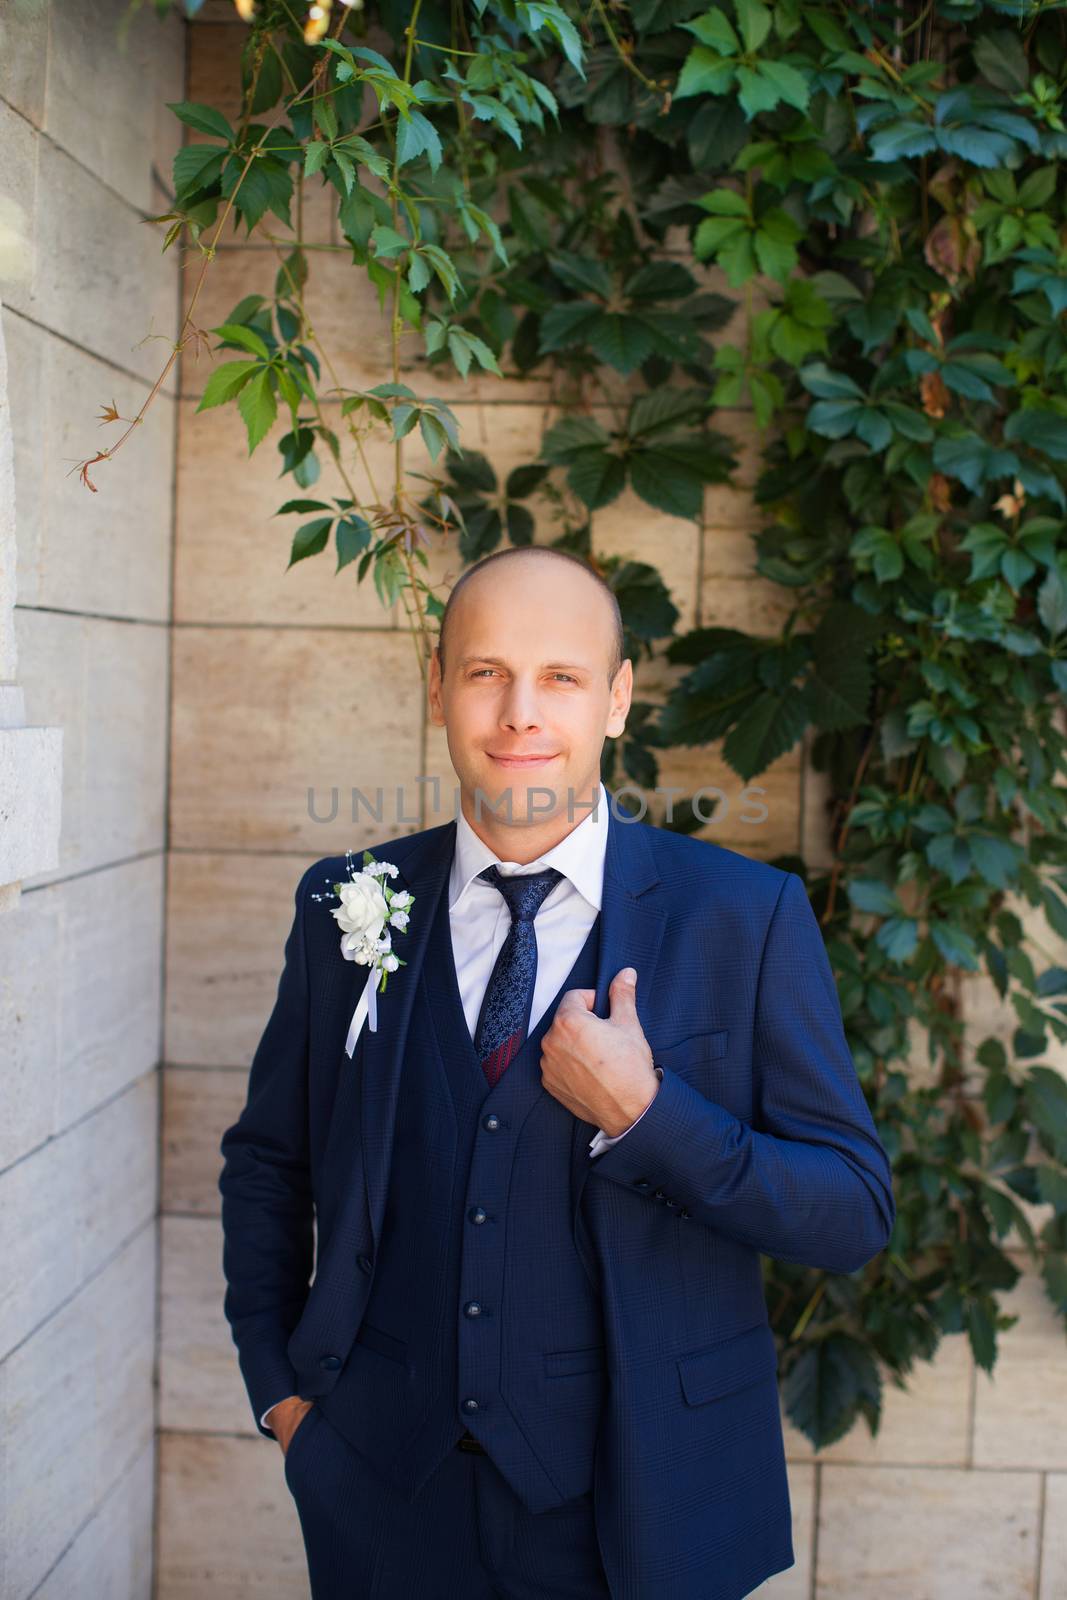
[[791, 86], [831, 1381], [240, 334], [714, 29], [226, 382], [754, 20], [205, 119], [310, 539], [868, 894], [620, 340], [417, 136], [704, 72], [773, 725], [258, 406]]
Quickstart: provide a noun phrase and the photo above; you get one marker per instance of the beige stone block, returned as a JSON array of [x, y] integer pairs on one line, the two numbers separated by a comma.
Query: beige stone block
[[200, 1385], [109, 697], [351, 327], [795, 1582], [100, 1179], [107, 552], [1054, 1546], [757, 816], [18, 209], [24, 52], [1020, 1410], [635, 531], [262, 716], [103, 86], [198, 1103], [30, 971], [99, 278], [77, 1404], [753, 605], [112, 1554], [111, 981], [928, 1424], [926, 1533], [223, 965], [228, 1526], [31, 761], [79, 998], [232, 549]]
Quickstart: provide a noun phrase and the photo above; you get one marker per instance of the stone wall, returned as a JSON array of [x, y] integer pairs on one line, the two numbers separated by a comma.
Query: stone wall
[[84, 696], [196, 710]]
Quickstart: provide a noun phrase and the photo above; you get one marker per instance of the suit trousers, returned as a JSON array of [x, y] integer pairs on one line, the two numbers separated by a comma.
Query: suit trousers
[[466, 1533]]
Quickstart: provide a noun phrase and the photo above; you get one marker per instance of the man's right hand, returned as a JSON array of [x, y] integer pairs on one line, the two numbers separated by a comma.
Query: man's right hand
[[284, 1418]]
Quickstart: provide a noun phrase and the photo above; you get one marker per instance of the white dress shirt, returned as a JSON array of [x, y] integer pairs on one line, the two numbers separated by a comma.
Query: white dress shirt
[[479, 919]]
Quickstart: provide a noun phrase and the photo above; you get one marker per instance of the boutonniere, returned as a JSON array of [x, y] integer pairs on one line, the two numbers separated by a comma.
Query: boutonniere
[[367, 913]]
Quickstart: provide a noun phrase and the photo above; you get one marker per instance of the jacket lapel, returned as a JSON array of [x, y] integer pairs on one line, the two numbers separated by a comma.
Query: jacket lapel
[[632, 921], [425, 874]]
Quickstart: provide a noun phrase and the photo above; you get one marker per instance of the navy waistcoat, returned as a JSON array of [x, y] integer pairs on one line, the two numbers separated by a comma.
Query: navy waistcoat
[[477, 1210]]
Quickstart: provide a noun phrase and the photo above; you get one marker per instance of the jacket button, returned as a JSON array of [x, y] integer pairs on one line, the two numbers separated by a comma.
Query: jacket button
[[329, 1363], [470, 1405], [491, 1123], [472, 1309], [477, 1214], [364, 1263]]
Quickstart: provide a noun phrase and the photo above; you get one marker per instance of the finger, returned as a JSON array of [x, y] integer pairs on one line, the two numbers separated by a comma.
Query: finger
[[622, 996], [577, 1000]]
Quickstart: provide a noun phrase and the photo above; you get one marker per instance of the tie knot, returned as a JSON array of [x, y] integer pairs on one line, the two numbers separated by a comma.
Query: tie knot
[[524, 892]]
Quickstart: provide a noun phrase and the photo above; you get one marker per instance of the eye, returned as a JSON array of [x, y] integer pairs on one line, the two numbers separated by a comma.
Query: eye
[[565, 675]]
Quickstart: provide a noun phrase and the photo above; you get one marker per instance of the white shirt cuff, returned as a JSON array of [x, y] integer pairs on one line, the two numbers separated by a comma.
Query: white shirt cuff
[[602, 1140]]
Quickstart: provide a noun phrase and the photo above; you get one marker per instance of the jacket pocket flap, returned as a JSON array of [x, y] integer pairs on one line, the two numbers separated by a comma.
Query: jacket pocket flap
[[694, 1047], [731, 1364]]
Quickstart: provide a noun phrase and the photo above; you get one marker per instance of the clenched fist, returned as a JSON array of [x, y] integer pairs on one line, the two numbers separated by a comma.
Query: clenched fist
[[600, 1068]]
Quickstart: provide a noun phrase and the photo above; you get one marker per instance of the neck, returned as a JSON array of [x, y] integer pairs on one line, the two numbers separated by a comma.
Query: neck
[[523, 842]]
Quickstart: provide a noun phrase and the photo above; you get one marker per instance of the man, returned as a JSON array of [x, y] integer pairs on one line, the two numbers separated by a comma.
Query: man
[[535, 1359]]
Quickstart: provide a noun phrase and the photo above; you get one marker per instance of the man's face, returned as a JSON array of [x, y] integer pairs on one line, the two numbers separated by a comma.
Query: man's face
[[528, 651]]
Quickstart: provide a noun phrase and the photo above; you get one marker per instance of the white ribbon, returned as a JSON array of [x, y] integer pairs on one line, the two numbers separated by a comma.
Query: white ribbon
[[366, 1010]]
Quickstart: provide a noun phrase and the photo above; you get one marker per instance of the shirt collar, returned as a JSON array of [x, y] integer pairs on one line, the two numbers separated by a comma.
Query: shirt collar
[[579, 856]]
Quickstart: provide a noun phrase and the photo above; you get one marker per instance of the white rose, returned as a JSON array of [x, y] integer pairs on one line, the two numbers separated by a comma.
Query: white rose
[[361, 916]]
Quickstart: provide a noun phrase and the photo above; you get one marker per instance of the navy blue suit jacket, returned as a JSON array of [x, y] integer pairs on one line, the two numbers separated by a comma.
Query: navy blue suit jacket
[[759, 1140]]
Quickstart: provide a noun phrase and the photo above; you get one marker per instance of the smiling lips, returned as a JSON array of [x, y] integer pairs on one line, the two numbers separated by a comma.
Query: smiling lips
[[521, 761]]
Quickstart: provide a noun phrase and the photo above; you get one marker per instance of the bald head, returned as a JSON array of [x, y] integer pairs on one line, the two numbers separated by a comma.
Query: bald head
[[571, 570]]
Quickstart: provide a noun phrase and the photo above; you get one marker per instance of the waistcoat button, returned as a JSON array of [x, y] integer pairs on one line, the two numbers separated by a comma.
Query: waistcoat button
[[470, 1405], [472, 1309], [364, 1263], [491, 1123], [477, 1214]]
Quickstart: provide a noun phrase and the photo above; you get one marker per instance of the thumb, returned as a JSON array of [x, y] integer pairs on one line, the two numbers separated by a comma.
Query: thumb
[[622, 996]]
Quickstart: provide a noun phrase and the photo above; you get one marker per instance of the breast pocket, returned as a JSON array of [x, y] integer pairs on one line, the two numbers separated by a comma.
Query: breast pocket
[[693, 1050]]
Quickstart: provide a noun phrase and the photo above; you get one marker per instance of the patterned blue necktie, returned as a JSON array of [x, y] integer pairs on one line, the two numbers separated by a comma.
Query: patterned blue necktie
[[505, 1013]]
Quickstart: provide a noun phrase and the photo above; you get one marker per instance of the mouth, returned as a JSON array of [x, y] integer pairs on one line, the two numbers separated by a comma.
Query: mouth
[[521, 762]]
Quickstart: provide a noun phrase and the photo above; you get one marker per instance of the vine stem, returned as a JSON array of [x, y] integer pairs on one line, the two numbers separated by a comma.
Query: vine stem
[[209, 253]]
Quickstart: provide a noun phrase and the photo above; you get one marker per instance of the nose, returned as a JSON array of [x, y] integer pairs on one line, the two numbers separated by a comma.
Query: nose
[[519, 710]]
